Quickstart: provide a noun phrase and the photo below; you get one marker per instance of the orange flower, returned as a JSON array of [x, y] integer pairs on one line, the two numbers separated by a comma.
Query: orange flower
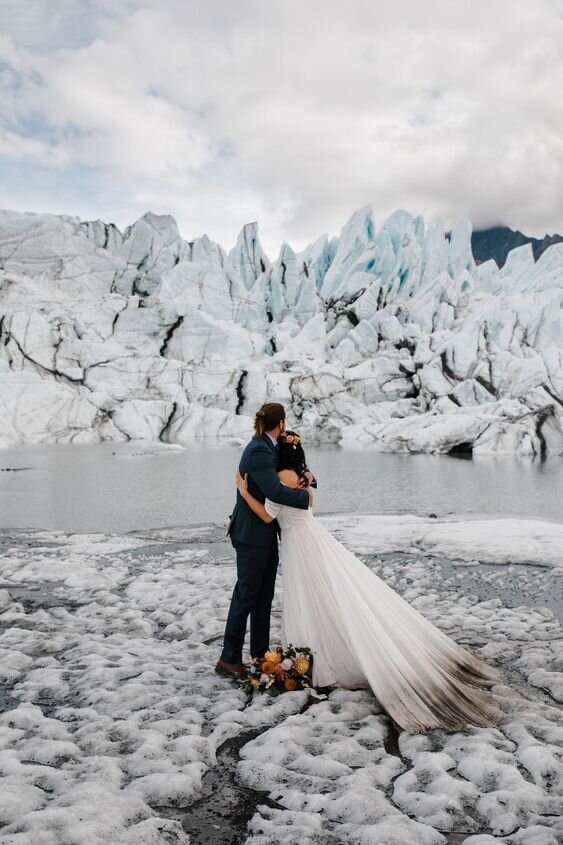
[[290, 684], [268, 667]]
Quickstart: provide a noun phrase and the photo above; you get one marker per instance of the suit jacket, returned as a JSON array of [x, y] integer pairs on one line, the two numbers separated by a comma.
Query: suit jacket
[[259, 460]]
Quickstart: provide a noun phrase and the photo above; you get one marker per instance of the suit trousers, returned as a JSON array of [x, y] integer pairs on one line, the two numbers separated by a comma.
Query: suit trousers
[[252, 596]]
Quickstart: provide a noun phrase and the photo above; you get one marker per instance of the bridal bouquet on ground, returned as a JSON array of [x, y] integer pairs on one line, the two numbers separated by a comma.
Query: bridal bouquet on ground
[[280, 670]]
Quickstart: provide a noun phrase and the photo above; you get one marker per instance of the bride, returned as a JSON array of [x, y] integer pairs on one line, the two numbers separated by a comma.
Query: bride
[[361, 632]]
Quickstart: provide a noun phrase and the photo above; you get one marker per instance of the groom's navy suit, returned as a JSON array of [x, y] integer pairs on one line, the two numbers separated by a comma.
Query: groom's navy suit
[[256, 544]]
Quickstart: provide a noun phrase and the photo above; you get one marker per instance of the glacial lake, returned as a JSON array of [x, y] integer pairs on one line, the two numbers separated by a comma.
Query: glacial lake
[[115, 487]]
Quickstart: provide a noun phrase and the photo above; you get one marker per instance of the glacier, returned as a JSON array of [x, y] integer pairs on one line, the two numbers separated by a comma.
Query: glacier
[[392, 337]]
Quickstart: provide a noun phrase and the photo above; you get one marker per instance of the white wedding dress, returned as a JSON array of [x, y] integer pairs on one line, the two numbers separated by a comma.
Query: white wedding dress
[[362, 633]]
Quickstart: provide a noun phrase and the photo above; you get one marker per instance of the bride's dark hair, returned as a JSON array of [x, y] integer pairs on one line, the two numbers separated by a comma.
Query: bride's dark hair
[[290, 453]]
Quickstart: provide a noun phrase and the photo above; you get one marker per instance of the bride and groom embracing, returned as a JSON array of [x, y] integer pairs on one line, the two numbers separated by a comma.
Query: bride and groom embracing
[[361, 632]]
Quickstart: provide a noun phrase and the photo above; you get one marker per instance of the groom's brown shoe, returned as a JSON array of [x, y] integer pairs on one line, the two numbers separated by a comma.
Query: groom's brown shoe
[[230, 669]]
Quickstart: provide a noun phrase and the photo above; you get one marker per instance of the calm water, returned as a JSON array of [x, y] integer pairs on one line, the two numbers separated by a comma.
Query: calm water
[[126, 486]]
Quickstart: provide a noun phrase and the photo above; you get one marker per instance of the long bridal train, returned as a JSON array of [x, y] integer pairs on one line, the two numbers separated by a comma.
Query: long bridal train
[[362, 633]]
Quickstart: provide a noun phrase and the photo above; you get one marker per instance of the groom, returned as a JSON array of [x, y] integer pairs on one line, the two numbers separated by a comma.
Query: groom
[[256, 542]]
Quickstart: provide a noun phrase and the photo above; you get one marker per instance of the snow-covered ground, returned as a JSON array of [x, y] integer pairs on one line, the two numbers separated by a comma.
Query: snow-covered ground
[[475, 540], [114, 721], [388, 335]]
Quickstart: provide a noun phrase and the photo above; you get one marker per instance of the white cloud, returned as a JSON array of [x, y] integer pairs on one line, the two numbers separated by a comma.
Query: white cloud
[[293, 114]]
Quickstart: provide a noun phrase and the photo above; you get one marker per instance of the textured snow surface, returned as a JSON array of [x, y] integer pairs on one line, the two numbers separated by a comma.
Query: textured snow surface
[[390, 336], [113, 713], [506, 540]]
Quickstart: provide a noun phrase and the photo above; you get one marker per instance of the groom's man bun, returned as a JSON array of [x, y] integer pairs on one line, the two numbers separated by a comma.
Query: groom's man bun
[[268, 417]]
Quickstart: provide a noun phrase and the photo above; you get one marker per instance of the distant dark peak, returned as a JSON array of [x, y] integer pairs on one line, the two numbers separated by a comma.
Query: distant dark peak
[[497, 241]]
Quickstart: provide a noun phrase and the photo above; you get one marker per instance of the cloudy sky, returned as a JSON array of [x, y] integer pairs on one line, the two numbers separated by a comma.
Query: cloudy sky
[[291, 113]]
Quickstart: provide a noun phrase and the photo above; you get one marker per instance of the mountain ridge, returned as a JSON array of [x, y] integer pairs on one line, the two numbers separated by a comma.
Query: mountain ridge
[[497, 241]]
